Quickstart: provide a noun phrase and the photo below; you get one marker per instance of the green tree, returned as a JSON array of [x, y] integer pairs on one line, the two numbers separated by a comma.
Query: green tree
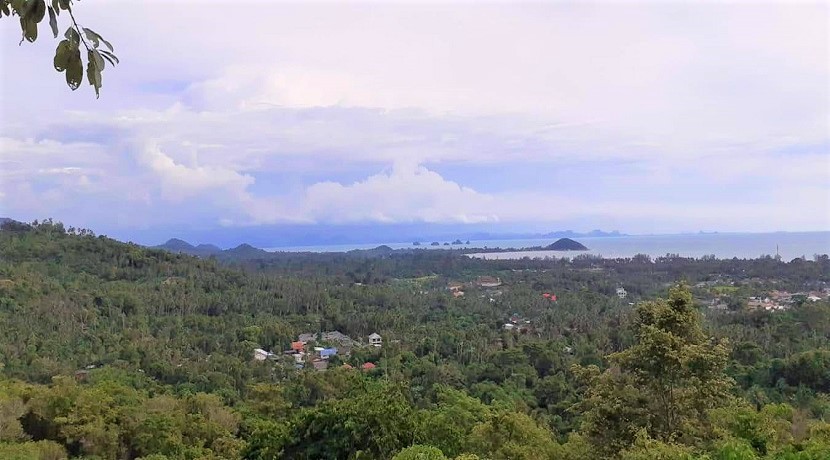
[[514, 436], [419, 452], [666, 383]]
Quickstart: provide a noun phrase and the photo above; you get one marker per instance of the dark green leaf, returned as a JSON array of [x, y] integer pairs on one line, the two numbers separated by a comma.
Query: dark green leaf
[[29, 28], [56, 6], [111, 57], [106, 43], [64, 4], [95, 37], [37, 10], [74, 70], [53, 22], [18, 6], [92, 36], [72, 36], [62, 54], [99, 60], [24, 7], [93, 72], [4, 8]]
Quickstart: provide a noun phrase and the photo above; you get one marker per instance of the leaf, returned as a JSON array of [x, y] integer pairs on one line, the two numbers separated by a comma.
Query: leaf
[[56, 6], [92, 36], [62, 54], [73, 36], [4, 8], [53, 22], [74, 70], [37, 10], [96, 37], [29, 28], [111, 57], [18, 6], [64, 4], [99, 60], [93, 73]]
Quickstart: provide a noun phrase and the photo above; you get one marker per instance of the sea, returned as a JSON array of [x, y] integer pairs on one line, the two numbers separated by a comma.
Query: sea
[[787, 245]]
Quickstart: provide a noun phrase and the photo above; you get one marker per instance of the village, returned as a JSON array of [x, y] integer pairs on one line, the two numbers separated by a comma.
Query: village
[[318, 350]]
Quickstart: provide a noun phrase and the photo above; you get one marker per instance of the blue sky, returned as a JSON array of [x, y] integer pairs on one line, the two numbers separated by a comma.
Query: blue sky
[[644, 117]]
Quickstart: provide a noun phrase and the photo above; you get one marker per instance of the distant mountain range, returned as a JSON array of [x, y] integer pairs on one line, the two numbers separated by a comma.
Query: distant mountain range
[[243, 251], [326, 238]]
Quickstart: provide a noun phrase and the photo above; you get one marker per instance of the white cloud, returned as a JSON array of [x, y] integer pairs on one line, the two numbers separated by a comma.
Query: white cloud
[[722, 107], [179, 182]]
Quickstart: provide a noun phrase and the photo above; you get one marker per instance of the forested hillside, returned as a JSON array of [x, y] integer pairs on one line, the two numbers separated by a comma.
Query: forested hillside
[[110, 350]]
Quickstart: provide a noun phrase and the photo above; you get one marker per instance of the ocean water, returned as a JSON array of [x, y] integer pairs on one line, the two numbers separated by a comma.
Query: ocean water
[[788, 245]]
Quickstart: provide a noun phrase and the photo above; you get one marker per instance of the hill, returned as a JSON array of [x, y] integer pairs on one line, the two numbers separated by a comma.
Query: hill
[[114, 350], [566, 244]]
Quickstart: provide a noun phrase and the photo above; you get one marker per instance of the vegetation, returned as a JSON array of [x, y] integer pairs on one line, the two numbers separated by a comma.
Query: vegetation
[[112, 350]]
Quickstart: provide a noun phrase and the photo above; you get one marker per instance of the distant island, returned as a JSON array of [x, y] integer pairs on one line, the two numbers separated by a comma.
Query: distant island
[[566, 244]]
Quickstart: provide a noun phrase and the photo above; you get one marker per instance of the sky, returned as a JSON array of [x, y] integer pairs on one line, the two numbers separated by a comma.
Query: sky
[[645, 117]]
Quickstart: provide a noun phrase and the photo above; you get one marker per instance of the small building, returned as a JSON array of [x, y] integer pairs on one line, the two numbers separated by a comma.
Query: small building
[[621, 292], [297, 346], [457, 294], [261, 355], [509, 326], [320, 364], [327, 353], [813, 298], [368, 366], [488, 281], [375, 340]]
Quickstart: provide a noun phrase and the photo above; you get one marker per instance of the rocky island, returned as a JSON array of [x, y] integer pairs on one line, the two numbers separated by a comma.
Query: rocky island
[[566, 244]]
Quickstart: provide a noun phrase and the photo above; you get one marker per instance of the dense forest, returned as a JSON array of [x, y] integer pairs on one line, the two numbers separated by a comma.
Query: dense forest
[[110, 350]]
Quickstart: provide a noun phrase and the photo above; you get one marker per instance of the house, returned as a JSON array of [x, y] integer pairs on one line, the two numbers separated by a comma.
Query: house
[[261, 355], [509, 326], [457, 294], [327, 353], [297, 346], [368, 366], [320, 364], [488, 281], [813, 298], [621, 292], [375, 340]]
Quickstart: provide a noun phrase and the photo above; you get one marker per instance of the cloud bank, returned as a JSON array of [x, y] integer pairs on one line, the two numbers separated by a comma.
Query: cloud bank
[[649, 117]]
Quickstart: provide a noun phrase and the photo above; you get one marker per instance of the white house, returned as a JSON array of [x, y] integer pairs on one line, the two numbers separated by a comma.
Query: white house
[[375, 340], [621, 292], [261, 355]]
